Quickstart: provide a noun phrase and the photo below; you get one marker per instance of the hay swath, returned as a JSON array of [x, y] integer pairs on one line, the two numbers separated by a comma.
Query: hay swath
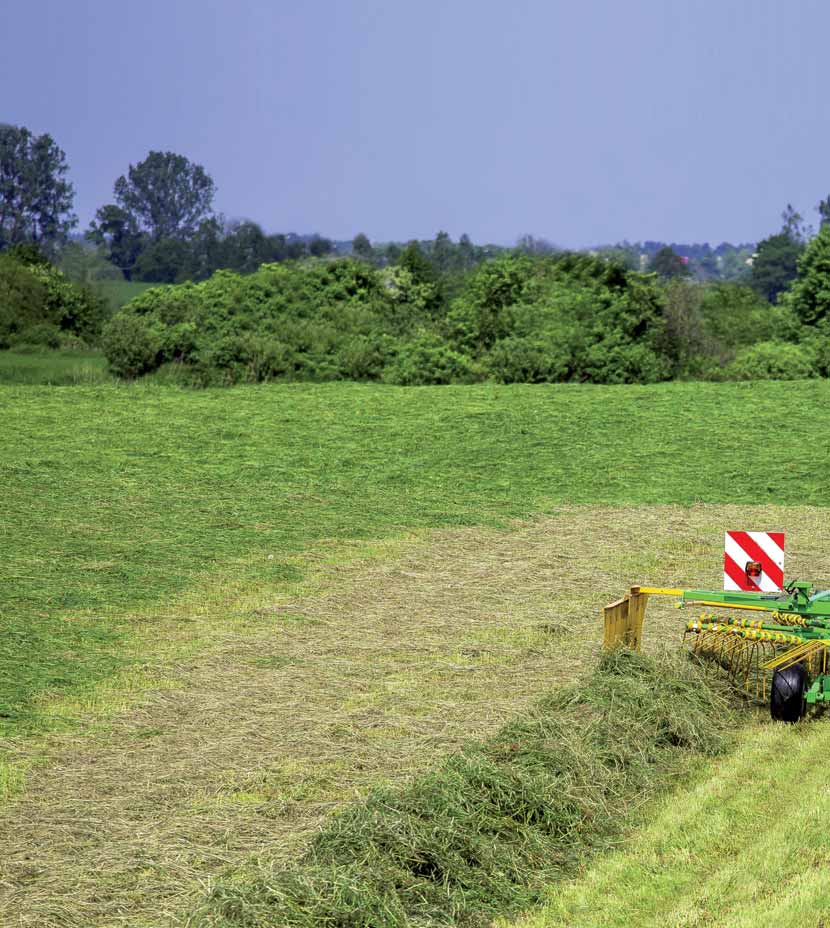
[[773, 647]]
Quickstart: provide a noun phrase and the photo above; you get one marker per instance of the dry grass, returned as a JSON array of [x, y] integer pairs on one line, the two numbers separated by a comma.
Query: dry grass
[[250, 736]]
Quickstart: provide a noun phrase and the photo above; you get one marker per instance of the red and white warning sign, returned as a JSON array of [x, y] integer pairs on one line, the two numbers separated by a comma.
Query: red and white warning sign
[[753, 561]]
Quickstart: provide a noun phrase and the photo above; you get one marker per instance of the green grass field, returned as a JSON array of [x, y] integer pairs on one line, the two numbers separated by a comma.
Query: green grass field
[[362, 548], [119, 496]]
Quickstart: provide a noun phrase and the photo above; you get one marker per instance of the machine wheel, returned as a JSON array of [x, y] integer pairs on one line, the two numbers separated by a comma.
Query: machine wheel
[[786, 703]]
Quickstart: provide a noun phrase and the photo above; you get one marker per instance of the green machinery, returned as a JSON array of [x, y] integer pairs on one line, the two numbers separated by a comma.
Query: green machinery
[[775, 646]]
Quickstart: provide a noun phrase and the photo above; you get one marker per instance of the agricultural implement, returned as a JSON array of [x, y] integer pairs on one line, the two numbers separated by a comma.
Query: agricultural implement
[[774, 646]]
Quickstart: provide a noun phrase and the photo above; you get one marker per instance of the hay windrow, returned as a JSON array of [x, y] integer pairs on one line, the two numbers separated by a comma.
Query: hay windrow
[[483, 833]]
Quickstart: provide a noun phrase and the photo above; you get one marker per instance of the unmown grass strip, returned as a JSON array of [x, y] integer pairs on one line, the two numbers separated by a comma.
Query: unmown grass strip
[[485, 832], [118, 497], [744, 842], [53, 368]]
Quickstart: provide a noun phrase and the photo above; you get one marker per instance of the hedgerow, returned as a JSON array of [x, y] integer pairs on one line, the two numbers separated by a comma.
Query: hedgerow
[[569, 318]]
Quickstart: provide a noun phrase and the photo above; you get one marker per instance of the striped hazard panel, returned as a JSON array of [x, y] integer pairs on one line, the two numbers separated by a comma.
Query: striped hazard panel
[[753, 561]]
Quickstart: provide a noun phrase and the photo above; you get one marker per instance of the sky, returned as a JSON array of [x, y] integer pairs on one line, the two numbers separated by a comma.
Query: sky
[[580, 122]]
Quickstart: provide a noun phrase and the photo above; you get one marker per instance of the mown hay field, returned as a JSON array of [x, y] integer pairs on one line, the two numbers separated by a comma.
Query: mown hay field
[[228, 613]]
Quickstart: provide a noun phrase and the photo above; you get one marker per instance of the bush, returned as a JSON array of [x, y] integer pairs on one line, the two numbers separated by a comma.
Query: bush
[[131, 348], [41, 335], [520, 320], [528, 360], [624, 363], [364, 357], [429, 360], [774, 361], [34, 295], [22, 300], [71, 307]]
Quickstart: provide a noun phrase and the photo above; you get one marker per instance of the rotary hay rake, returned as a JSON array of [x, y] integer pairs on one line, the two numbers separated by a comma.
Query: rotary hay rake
[[775, 648]]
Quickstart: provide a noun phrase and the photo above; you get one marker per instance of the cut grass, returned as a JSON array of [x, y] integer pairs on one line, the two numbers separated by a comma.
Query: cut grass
[[119, 497], [488, 829], [745, 842], [256, 712]]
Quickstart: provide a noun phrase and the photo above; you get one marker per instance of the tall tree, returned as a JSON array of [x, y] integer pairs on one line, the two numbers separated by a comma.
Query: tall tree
[[116, 230], [362, 247], [423, 272], [320, 246], [466, 252], [810, 293], [775, 263], [35, 196], [443, 252], [823, 208], [792, 223], [668, 264], [166, 195]]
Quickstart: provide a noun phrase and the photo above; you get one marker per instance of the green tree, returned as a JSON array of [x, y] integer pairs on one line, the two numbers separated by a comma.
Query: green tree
[[793, 223], [35, 196], [362, 247], [166, 195], [245, 247], [668, 264], [420, 267], [810, 294], [823, 208], [775, 265], [466, 252], [164, 261], [117, 232], [320, 246], [443, 252]]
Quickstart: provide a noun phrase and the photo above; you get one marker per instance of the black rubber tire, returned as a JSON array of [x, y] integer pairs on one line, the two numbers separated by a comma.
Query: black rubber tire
[[786, 701]]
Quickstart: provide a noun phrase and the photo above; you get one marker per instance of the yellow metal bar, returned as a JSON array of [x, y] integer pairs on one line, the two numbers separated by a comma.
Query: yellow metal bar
[[705, 602], [808, 649], [659, 590]]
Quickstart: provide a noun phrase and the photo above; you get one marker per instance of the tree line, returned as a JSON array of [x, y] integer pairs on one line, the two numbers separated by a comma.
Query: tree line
[[161, 227], [246, 305]]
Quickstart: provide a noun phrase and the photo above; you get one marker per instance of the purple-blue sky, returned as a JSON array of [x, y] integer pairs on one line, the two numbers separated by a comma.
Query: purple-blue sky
[[583, 122]]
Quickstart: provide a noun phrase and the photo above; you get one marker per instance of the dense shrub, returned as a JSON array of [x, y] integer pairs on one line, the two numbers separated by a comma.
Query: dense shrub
[[527, 360], [774, 361], [132, 349], [516, 319], [429, 360], [40, 335], [22, 300], [39, 305]]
